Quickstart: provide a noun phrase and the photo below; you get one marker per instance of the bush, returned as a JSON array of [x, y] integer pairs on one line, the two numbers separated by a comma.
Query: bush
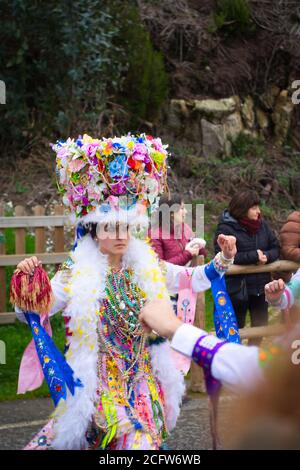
[[245, 145], [145, 85], [234, 16], [63, 61], [59, 64]]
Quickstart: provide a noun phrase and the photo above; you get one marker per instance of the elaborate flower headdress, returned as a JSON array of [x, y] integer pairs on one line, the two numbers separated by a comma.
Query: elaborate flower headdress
[[104, 180]]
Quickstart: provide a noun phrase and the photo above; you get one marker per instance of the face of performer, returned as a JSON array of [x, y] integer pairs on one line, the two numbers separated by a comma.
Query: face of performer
[[113, 239], [179, 216], [253, 213]]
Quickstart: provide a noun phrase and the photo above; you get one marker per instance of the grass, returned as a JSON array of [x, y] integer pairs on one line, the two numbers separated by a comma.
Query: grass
[[16, 337], [209, 311]]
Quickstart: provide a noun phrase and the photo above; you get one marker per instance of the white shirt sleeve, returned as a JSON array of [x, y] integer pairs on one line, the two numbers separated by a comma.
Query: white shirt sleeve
[[59, 290], [235, 365], [200, 282]]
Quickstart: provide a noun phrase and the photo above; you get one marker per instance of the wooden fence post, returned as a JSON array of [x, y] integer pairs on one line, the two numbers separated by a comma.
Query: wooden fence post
[[2, 268], [40, 241], [20, 233], [59, 234], [197, 382]]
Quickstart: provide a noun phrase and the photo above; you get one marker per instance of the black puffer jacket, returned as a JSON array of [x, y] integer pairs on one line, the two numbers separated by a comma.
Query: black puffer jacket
[[247, 246]]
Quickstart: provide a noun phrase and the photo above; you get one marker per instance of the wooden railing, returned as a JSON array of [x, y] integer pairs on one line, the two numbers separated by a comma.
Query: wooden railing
[[39, 222]]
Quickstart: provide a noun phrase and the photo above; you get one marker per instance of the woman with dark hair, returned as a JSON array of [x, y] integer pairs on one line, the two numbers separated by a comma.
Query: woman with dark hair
[[172, 239], [256, 244]]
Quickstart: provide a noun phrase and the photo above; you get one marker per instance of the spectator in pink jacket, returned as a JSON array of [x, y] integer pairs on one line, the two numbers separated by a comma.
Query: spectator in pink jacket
[[174, 245]]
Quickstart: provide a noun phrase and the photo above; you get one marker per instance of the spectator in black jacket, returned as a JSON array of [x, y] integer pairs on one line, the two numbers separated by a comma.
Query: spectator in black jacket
[[256, 244]]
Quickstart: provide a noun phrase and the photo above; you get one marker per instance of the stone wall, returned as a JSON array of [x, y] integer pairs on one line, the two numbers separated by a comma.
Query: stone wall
[[212, 124]]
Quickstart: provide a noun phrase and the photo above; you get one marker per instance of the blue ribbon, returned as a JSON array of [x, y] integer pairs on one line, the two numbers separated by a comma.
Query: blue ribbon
[[57, 372], [224, 317], [81, 231]]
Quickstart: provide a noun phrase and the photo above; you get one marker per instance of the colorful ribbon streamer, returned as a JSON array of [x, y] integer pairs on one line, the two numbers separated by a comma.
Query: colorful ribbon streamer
[[224, 317], [57, 372]]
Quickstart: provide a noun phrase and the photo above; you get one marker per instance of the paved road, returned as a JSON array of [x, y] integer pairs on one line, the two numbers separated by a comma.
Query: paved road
[[21, 419]]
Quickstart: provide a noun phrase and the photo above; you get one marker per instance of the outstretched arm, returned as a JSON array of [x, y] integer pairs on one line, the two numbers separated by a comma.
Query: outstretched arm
[[200, 282], [234, 365]]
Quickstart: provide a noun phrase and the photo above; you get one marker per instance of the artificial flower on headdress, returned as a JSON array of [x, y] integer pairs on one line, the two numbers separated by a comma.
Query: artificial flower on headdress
[[91, 170], [118, 167]]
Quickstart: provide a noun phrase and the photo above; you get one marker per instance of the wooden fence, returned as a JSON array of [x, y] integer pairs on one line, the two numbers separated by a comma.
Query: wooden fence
[[39, 222]]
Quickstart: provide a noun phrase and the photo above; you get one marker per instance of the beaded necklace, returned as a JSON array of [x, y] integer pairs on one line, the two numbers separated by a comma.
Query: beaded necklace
[[122, 337], [121, 333], [123, 303]]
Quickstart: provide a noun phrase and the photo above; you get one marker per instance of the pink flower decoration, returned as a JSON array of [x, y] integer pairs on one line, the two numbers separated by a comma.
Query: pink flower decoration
[[76, 165], [139, 152], [157, 144], [93, 195], [90, 148]]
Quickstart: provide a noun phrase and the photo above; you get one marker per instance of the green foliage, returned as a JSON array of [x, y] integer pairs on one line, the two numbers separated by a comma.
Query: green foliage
[[245, 145], [234, 16], [59, 62], [267, 211], [145, 86], [20, 189], [62, 61]]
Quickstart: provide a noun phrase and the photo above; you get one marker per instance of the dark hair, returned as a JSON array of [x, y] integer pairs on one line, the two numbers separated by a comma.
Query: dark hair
[[176, 199], [241, 202], [92, 229]]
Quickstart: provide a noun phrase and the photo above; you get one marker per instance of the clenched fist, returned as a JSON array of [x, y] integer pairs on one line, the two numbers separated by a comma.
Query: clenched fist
[[227, 243], [274, 290], [28, 265]]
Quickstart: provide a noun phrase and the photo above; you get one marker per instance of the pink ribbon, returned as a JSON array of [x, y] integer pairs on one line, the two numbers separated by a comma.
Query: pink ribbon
[[186, 308], [31, 373]]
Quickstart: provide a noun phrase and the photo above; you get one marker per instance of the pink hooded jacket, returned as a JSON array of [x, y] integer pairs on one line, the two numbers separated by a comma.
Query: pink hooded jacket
[[171, 248]]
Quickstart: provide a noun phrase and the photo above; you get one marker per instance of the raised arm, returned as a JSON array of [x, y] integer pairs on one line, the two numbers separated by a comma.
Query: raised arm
[[281, 295], [58, 283], [200, 281]]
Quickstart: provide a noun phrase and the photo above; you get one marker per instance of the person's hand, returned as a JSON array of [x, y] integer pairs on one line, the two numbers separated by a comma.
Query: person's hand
[[274, 290], [193, 249], [28, 265], [262, 259], [158, 315], [227, 243], [195, 245]]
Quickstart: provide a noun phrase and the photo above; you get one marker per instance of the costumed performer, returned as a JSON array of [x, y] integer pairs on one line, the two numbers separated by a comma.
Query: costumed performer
[[114, 391]]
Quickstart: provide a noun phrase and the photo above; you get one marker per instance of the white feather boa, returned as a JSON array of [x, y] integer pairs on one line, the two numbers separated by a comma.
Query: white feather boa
[[86, 289]]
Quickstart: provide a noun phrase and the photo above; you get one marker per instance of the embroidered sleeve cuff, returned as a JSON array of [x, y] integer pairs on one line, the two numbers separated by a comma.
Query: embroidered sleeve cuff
[[221, 263]]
